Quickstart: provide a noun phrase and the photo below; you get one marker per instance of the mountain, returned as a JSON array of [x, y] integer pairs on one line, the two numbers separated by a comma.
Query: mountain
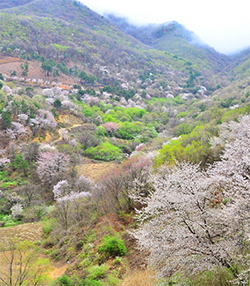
[[13, 3], [69, 32], [112, 50], [174, 38]]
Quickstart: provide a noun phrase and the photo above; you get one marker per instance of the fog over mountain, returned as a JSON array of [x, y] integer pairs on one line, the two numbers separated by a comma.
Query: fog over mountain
[[222, 25]]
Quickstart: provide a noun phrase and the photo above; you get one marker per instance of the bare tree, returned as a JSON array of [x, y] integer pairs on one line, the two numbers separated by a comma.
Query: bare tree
[[119, 183], [20, 265]]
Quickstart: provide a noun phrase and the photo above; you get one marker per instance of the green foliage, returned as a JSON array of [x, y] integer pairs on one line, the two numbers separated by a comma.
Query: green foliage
[[216, 277], [181, 114], [129, 130], [20, 163], [226, 102], [64, 280], [48, 226], [192, 76], [7, 221], [5, 122], [101, 131], [112, 246], [57, 103], [105, 151], [86, 78], [25, 68], [193, 147], [97, 272], [61, 48], [135, 113], [48, 66], [184, 128], [6, 182], [88, 282], [63, 68]]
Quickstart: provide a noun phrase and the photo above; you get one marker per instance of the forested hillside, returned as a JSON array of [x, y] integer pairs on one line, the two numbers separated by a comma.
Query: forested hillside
[[124, 152]]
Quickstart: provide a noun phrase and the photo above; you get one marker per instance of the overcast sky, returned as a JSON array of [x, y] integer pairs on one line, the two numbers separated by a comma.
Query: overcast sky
[[224, 25]]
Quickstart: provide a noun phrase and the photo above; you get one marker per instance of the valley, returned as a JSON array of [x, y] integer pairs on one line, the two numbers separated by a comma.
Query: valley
[[124, 152]]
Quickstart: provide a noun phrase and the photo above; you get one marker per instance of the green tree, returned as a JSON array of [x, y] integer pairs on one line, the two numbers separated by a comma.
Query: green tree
[[48, 66], [105, 151], [5, 121], [129, 130], [21, 164], [57, 103], [87, 78], [25, 68]]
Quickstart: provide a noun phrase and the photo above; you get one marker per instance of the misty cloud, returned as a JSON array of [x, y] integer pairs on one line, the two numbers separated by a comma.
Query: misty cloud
[[224, 25]]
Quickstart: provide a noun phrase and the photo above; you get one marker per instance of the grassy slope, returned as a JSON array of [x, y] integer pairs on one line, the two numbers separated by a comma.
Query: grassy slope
[[66, 30]]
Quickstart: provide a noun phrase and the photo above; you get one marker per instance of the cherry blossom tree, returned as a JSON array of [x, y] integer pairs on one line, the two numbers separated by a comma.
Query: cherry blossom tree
[[84, 184], [191, 223], [44, 120], [194, 219], [61, 189], [66, 104], [4, 161], [235, 160], [71, 202], [17, 130], [22, 118], [51, 166], [110, 127]]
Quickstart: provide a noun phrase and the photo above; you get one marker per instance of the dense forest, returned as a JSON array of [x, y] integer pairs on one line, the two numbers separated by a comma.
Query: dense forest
[[124, 152]]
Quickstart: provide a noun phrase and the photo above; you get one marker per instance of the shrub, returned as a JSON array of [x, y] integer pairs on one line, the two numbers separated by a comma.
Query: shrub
[[97, 272], [48, 226], [88, 282], [105, 151], [64, 280], [112, 246]]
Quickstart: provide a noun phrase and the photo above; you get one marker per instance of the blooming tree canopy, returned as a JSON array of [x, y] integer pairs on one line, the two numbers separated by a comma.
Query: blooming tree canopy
[[190, 222], [51, 166]]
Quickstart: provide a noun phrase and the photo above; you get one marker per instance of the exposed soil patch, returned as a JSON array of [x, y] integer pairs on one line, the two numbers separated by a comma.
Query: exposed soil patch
[[94, 170], [10, 64], [31, 232]]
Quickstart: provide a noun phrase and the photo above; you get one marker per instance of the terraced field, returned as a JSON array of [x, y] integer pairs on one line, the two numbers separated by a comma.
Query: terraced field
[[31, 232]]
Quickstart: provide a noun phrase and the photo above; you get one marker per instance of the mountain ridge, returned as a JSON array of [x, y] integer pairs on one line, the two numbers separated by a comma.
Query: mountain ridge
[[174, 38], [67, 30]]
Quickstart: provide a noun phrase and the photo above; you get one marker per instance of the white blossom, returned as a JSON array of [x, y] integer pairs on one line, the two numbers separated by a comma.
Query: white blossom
[[4, 162], [187, 225], [16, 210]]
